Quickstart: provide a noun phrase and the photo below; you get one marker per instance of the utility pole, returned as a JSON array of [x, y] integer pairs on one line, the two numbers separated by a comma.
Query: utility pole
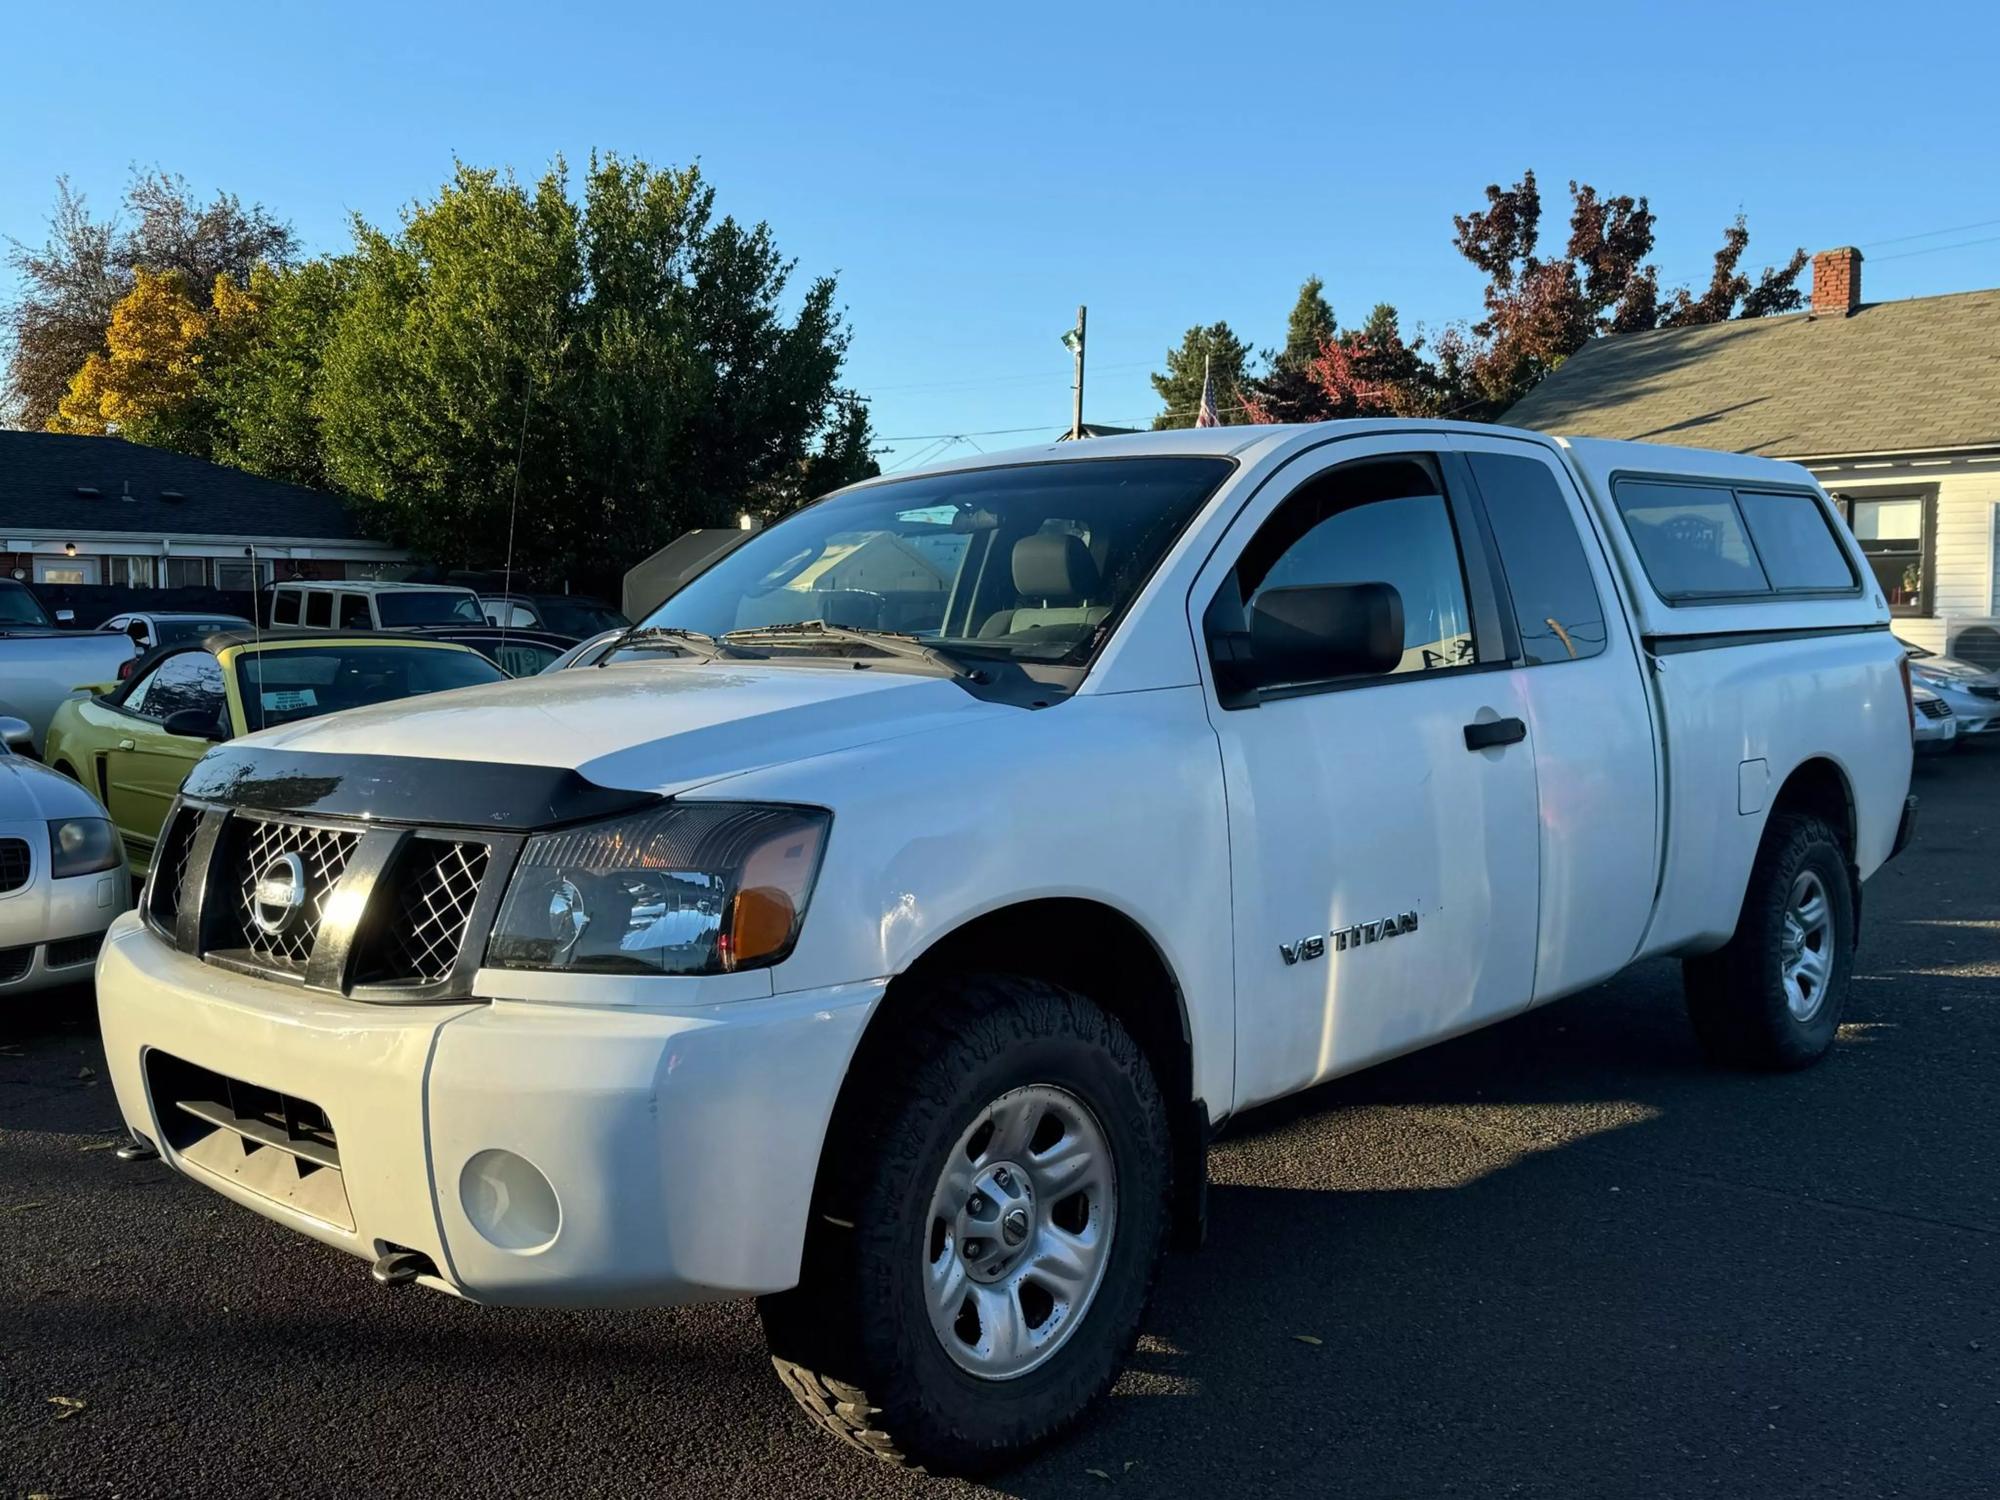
[[1076, 410]]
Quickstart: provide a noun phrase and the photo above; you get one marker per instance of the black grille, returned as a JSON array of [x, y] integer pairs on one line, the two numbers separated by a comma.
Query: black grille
[[170, 862], [15, 962], [433, 891], [322, 854], [1934, 708], [14, 864], [72, 951]]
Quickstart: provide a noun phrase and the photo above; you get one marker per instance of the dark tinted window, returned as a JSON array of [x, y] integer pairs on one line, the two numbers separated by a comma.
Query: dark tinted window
[[290, 683], [1794, 541], [319, 609], [19, 607], [1383, 522], [1555, 603], [187, 679], [579, 619], [1691, 539], [285, 607], [424, 607], [354, 612], [173, 632]]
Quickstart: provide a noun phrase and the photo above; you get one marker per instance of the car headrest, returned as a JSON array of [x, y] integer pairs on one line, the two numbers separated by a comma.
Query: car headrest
[[1054, 565]]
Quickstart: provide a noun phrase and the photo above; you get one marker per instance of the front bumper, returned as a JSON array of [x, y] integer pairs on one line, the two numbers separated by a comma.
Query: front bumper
[[48, 927], [681, 1146]]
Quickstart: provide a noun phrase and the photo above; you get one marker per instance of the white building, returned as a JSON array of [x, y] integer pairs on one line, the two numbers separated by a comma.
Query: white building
[[1894, 406], [100, 510]]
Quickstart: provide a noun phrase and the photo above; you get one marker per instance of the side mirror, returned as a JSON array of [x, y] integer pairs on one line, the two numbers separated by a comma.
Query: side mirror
[[194, 724], [65, 617], [15, 733], [137, 630], [1309, 634]]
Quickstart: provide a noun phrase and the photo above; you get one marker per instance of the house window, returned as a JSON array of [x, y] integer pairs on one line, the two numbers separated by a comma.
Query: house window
[[129, 572], [1896, 534], [236, 577], [186, 572]]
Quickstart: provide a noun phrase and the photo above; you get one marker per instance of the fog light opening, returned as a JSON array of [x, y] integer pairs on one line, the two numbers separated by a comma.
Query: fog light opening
[[509, 1201]]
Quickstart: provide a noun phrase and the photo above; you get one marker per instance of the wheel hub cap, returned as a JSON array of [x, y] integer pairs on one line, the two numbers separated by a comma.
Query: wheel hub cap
[[1019, 1231], [1805, 948]]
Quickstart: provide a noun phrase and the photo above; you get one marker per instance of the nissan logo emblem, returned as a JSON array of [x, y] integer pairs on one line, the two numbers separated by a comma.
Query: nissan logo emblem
[[279, 895]]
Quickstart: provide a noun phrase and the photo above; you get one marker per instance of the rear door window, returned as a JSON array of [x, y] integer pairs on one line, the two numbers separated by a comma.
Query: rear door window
[[1795, 541], [319, 609], [354, 612], [285, 607], [1555, 602], [1691, 539]]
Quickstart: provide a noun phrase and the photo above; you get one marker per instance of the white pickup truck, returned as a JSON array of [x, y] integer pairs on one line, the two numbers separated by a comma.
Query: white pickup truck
[[883, 932]]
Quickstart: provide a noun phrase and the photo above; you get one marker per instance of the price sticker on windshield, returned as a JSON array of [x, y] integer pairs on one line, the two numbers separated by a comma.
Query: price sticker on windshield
[[287, 700]]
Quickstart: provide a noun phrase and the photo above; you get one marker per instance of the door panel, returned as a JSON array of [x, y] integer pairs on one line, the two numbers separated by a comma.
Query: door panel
[[1588, 713], [1383, 874]]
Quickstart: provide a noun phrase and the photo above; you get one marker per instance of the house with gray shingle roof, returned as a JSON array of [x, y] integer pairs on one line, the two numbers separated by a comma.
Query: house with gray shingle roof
[[1894, 406], [100, 510]]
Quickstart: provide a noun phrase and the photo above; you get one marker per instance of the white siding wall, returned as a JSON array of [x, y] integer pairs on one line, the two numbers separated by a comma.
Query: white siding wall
[[1966, 573]]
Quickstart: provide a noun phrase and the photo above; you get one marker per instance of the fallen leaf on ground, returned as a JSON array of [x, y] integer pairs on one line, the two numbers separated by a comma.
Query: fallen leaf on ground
[[1100, 1474], [86, 1071], [1306, 1338], [70, 1406], [21, 1208]]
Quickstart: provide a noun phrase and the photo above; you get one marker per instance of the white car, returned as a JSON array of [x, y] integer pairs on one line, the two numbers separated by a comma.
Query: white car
[[1932, 723], [1970, 691], [62, 873], [170, 627], [885, 929]]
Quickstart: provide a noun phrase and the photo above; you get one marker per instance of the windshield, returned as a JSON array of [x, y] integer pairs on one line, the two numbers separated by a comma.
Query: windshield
[[574, 617], [1032, 562], [280, 686], [173, 632], [19, 607], [425, 607]]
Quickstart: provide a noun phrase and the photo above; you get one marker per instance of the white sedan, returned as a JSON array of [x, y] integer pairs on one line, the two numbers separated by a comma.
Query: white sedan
[[62, 873]]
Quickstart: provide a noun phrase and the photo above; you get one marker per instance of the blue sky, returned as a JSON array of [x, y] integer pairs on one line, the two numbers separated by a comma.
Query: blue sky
[[972, 176]]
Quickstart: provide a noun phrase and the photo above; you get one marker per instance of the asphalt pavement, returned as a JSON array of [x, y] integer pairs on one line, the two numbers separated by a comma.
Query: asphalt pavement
[[1557, 1258]]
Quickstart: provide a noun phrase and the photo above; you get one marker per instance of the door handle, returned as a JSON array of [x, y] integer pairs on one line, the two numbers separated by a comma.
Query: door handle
[[1494, 733]]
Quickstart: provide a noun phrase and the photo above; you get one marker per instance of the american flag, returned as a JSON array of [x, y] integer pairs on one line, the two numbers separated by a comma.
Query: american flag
[[1205, 415]]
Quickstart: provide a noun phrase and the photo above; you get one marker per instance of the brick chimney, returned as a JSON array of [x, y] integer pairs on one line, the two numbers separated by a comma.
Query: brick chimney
[[1836, 283]]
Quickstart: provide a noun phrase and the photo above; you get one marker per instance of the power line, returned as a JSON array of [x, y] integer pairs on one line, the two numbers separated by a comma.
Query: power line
[[1928, 234], [1935, 249]]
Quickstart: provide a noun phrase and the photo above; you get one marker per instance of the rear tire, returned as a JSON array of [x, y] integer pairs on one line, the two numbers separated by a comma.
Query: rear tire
[[1772, 997], [944, 1321]]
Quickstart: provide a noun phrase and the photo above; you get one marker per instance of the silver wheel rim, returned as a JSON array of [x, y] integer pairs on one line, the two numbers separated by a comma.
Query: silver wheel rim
[[1019, 1231], [1806, 962]]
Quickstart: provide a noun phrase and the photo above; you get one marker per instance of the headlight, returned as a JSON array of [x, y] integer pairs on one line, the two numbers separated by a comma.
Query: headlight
[[694, 888], [83, 846]]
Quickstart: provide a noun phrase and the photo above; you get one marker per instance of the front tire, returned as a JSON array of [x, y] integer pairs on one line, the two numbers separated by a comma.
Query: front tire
[[1772, 997], [986, 1243]]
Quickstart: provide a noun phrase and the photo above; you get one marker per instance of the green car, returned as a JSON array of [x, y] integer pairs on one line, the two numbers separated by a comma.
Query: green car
[[135, 742]]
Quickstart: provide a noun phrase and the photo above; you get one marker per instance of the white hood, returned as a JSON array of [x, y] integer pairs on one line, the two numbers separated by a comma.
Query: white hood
[[660, 726]]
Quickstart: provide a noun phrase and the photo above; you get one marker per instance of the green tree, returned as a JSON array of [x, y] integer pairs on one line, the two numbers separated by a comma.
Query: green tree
[[263, 384], [1215, 349], [1309, 328], [626, 360]]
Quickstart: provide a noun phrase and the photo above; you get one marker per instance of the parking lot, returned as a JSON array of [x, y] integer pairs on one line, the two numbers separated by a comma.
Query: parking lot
[[1557, 1258]]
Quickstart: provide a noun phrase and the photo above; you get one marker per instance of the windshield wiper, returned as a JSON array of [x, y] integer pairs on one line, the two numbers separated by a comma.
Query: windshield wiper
[[889, 642], [640, 637]]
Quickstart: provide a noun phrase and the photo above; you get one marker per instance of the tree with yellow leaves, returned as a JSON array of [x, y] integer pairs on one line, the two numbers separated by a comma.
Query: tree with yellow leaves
[[149, 384]]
